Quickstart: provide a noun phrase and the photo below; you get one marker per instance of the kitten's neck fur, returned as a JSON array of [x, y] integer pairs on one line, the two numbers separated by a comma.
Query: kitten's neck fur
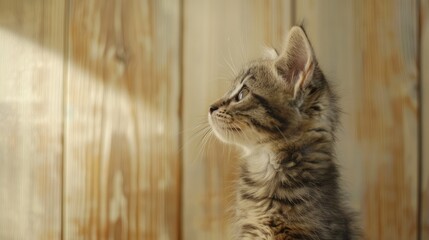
[[308, 158], [299, 170]]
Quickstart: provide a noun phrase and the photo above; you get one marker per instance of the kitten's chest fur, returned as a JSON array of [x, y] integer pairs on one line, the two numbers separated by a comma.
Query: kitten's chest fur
[[289, 194]]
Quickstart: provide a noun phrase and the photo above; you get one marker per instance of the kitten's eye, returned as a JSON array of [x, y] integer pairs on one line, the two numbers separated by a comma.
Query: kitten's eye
[[242, 94]]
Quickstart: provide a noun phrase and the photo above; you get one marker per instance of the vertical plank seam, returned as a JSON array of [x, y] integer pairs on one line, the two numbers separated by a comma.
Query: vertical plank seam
[[181, 122], [419, 121], [292, 13], [65, 97]]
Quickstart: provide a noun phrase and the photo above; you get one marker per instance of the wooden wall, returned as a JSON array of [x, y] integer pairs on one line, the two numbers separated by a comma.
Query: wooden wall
[[103, 102], [31, 118], [424, 117], [121, 173]]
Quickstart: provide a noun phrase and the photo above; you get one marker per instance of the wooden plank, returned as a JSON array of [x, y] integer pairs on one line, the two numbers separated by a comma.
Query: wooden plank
[[31, 94], [217, 34], [424, 81], [369, 50], [122, 123]]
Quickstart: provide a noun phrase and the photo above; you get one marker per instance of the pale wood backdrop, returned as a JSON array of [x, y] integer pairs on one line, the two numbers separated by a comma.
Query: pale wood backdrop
[[100, 101]]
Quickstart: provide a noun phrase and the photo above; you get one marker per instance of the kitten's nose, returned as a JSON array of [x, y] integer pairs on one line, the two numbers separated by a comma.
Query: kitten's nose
[[213, 108]]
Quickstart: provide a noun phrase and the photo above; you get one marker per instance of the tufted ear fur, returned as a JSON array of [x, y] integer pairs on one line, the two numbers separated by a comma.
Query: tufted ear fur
[[296, 62], [269, 53]]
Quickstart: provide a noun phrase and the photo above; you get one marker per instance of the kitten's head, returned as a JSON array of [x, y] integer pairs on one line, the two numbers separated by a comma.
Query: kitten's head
[[277, 97]]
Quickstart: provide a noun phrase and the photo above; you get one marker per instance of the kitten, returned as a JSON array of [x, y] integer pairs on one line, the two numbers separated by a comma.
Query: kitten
[[283, 114]]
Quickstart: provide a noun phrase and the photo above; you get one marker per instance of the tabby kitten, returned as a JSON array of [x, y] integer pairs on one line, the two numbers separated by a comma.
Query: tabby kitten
[[283, 114]]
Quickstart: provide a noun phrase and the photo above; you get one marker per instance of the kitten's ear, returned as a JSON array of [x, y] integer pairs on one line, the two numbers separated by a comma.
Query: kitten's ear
[[296, 63]]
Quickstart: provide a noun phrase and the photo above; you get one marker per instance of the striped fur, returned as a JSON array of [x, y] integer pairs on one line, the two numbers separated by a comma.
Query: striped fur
[[283, 113]]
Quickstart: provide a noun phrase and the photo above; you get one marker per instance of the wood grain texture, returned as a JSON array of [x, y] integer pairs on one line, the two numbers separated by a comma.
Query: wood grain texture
[[122, 120], [219, 37], [369, 49], [31, 93], [424, 70]]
